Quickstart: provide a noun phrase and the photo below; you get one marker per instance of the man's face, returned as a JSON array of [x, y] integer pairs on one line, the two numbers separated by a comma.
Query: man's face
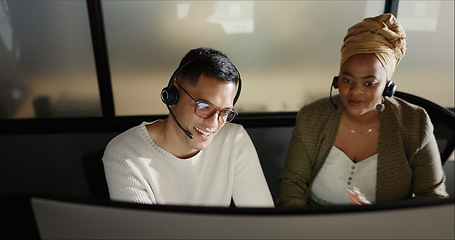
[[210, 90]]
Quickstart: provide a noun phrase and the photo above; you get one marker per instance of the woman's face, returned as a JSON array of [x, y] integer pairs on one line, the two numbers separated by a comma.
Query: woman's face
[[361, 83]]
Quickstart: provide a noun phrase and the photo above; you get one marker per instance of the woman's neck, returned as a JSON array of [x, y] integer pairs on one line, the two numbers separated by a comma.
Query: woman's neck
[[368, 118]]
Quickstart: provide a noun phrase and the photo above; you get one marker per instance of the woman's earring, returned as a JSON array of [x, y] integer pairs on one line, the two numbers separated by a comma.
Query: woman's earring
[[380, 106]]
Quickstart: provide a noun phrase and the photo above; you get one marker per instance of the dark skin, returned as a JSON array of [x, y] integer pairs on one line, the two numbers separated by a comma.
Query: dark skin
[[361, 82]]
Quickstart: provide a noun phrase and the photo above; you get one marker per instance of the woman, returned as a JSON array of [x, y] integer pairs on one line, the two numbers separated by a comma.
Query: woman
[[363, 146]]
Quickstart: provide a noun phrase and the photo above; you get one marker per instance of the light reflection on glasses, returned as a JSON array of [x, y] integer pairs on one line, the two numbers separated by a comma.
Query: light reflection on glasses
[[206, 110]]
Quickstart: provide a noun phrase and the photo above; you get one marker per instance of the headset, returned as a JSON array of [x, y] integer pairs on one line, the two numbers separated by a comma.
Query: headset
[[389, 89], [170, 94]]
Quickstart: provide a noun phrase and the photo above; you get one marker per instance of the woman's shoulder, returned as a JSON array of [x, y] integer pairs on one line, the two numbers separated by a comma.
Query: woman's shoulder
[[320, 109], [406, 109], [320, 114], [322, 105], [407, 115]]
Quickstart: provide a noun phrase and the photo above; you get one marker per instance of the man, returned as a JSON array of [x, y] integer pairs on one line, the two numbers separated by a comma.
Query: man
[[195, 156]]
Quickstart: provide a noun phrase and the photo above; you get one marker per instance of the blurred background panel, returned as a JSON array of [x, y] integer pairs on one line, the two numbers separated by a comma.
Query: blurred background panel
[[47, 67], [286, 51]]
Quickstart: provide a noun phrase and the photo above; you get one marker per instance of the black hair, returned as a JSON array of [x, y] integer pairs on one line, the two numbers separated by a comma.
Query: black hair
[[210, 62]]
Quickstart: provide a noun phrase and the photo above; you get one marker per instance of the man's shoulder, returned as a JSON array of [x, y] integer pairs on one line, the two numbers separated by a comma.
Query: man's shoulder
[[232, 129], [132, 132], [231, 132], [130, 138]]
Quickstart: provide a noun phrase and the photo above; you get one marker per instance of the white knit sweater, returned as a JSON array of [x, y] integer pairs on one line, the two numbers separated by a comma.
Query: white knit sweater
[[138, 170]]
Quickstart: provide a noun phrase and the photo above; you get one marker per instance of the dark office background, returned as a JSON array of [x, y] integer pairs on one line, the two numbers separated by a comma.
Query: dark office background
[[62, 92]]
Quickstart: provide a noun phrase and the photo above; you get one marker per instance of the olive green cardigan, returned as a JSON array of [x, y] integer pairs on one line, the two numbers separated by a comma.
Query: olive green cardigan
[[408, 157]]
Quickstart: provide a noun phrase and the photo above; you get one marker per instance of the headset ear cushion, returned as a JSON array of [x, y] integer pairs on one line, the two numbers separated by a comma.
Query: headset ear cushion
[[389, 89], [335, 82], [170, 96]]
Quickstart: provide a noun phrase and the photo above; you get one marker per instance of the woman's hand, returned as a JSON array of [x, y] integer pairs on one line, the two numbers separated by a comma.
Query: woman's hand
[[357, 198]]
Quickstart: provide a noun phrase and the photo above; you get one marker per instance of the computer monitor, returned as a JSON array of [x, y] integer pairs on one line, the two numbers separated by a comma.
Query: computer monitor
[[116, 220]]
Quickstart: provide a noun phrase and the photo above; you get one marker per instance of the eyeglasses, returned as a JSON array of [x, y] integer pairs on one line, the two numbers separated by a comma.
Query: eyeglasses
[[206, 110]]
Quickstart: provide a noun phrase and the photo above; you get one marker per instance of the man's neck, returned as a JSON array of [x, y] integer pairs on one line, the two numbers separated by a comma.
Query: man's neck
[[170, 137]]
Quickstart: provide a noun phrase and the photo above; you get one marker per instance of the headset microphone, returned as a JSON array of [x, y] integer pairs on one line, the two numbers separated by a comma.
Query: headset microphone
[[334, 85], [170, 96], [178, 124]]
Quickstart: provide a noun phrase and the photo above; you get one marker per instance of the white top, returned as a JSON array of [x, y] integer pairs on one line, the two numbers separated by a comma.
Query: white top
[[138, 170], [340, 172]]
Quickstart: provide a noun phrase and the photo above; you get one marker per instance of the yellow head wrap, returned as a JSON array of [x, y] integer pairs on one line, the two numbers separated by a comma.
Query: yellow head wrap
[[382, 35]]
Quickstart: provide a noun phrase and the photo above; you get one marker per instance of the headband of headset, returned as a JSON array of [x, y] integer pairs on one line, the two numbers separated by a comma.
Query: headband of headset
[[169, 94]]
